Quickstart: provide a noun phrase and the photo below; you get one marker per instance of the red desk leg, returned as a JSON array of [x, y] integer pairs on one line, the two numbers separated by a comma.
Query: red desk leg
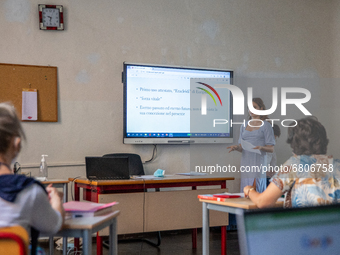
[[224, 231], [95, 198], [76, 198], [224, 185], [223, 240], [194, 230], [99, 245], [76, 192]]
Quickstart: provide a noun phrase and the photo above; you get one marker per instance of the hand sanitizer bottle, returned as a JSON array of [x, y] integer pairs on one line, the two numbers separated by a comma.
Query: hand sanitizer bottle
[[43, 167]]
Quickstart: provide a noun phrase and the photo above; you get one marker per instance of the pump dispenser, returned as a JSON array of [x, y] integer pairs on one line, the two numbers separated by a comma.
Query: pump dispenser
[[43, 167]]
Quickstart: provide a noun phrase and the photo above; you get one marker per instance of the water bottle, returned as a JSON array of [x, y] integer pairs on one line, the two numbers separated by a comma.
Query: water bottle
[[43, 167]]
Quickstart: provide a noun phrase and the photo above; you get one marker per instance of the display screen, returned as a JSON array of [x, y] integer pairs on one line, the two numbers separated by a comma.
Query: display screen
[[305, 231], [163, 104]]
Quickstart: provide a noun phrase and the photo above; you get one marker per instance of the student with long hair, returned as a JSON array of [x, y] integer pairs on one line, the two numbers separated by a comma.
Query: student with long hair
[[24, 201]]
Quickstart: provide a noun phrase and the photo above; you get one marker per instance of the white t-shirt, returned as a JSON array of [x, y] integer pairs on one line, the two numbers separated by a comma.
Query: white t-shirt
[[31, 208]]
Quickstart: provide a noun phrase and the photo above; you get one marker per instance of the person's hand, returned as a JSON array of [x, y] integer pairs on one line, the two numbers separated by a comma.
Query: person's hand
[[258, 148], [54, 195], [246, 190], [233, 148]]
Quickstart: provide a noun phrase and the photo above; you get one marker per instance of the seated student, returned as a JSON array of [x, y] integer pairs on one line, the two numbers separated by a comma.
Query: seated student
[[308, 178], [24, 201]]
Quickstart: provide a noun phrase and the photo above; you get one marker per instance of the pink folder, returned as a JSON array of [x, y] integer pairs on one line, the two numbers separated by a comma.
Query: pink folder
[[83, 206]]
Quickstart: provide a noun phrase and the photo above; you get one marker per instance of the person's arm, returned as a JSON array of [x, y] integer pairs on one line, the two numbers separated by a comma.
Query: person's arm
[[235, 148], [56, 200], [48, 214], [265, 199], [266, 148], [269, 139]]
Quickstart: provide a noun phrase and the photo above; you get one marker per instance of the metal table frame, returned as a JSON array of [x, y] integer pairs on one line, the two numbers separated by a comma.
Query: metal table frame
[[235, 206], [205, 223], [75, 228]]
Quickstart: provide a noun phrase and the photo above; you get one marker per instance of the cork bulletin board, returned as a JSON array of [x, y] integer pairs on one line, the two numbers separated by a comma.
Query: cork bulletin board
[[15, 78]]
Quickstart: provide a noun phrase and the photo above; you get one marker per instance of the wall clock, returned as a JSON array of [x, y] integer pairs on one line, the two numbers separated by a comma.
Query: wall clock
[[51, 17]]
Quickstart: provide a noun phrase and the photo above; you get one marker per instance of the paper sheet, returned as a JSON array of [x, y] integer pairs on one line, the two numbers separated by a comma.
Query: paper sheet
[[29, 104], [249, 147], [149, 177]]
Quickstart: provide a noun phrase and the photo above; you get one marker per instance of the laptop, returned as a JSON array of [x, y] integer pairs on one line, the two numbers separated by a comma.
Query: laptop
[[105, 168], [307, 230]]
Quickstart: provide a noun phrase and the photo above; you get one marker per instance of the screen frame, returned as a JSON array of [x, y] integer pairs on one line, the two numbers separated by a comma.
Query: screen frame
[[242, 214], [172, 140]]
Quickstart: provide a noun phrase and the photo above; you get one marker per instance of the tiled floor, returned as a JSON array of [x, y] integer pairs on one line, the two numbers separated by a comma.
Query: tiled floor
[[173, 242]]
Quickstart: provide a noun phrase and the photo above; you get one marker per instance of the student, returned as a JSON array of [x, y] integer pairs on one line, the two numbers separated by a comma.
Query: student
[[259, 133], [24, 201], [308, 178]]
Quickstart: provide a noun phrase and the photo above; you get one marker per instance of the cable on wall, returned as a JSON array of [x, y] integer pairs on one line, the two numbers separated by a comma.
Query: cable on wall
[[154, 154]]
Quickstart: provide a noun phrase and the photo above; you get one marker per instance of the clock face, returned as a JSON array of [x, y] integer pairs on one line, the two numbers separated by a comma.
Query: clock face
[[50, 17]]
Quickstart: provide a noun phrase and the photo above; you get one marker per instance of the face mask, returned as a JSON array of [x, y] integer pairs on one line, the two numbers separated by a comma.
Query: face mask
[[159, 173]]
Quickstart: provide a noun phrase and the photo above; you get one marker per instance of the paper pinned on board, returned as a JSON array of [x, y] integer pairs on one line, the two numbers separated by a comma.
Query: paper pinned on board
[[249, 147], [29, 104]]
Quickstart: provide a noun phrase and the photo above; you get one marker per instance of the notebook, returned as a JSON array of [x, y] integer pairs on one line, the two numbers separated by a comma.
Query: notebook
[[78, 209], [307, 230], [105, 168]]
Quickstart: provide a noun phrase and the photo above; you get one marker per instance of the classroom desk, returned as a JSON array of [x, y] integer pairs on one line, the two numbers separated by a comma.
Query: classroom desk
[[232, 205], [58, 183], [93, 188], [86, 226], [92, 191]]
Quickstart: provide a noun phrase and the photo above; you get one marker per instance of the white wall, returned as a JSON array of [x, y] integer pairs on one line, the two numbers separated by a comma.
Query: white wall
[[272, 41]]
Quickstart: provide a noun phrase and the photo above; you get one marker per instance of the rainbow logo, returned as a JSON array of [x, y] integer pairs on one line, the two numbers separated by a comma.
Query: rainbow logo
[[213, 90]]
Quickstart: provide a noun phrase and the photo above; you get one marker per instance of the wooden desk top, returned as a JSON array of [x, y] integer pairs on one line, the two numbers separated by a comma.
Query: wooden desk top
[[243, 203], [166, 179], [88, 222]]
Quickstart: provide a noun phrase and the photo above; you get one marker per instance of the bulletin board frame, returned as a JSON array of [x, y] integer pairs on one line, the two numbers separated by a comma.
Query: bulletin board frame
[[14, 78]]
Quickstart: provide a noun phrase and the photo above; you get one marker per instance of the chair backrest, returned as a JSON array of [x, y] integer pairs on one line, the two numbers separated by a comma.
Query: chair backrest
[[14, 240], [135, 162]]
